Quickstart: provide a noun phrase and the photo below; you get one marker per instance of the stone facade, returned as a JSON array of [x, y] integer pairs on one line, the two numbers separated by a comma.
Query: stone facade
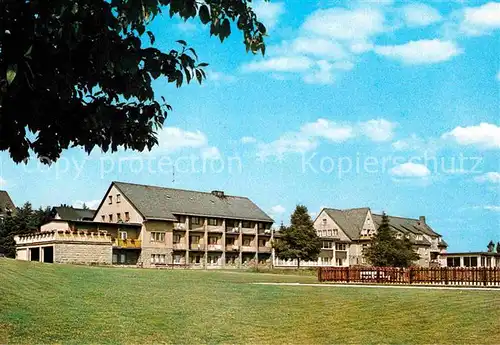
[[83, 253]]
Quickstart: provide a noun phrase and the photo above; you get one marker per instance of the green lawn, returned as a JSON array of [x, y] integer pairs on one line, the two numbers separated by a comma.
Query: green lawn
[[44, 303]]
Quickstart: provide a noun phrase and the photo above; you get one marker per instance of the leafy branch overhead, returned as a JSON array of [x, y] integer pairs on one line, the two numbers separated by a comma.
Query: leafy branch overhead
[[79, 72]]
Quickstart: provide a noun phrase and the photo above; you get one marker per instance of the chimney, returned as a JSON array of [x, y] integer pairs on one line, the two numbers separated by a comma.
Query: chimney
[[218, 193], [421, 220]]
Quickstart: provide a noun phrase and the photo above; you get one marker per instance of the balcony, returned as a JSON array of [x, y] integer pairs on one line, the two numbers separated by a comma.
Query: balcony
[[215, 228], [248, 249], [248, 230], [232, 248], [179, 246], [265, 249], [234, 230], [128, 243], [180, 226], [264, 232], [197, 246], [215, 247]]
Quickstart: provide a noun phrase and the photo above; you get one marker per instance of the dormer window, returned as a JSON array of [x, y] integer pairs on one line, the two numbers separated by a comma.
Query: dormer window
[[118, 198], [110, 199]]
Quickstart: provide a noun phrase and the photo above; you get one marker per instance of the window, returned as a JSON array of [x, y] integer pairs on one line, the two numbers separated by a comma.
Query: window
[[158, 237], [473, 261], [212, 240], [453, 262], [110, 199], [119, 217], [329, 232], [335, 232], [195, 220], [177, 238], [123, 235], [110, 217], [420, 238], [213, 259], [340, 262], [245, 224], [230, 241], [327, 245], [262, 226], [195, 239], [324, 232], [118, 198], [181, 219], [247, 242], [324, 221], [127, 216], [212, 221], [103, 218], [123, 258], [262, 243], [341, 246]]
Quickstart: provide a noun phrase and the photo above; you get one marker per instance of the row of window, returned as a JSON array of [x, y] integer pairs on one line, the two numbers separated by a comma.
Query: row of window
[[118, 217], [338, 246], [328, 232], [218, 222]]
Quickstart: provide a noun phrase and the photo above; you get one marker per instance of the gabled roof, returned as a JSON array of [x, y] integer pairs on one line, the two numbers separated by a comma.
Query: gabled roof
[[162, 203], [5, 202], [71, 213], [350, 221]]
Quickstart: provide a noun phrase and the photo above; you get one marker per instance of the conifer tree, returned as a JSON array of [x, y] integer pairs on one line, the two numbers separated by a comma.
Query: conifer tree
[[298, 241]]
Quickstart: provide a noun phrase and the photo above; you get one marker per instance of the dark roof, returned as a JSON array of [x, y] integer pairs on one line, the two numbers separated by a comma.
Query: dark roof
[[6, 202], [71, 213], [351, 222], [164, 203]]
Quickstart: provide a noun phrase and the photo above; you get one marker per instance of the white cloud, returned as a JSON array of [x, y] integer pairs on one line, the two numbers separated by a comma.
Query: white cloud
[[484, 135], [316, 46], [219, 76], [173, 139], [248, 140], [342, 24], [410, 170], [493, 208], [420, 52], [416, 15], [92, 204], [481, 20], [186, 26], [330, 130], [268, 12], [311, 133], [278, 209], [492, 177], [280, 64], [321, 75], [210, 152], [3, 182], [378, 130]]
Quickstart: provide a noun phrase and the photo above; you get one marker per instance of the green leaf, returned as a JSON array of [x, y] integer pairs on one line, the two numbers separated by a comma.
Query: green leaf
[[204, 14], [182, 42], [202, 64], [28, 52], [262, 28], [11, 73], [194, 53], [151, 37]]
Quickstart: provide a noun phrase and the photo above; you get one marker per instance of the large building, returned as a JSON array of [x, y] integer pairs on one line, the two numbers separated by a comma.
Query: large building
[[156, 226], [344, 234]]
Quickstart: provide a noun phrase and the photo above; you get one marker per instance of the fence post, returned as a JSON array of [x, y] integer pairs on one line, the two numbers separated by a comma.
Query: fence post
[[319, 275], [485, 275], [410, 274], [347, 274], [378, 274]]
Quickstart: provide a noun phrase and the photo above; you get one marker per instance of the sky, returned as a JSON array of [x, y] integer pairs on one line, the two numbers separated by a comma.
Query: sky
[[382, 104]]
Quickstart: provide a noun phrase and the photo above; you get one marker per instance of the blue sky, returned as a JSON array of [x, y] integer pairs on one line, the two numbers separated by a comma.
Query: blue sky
[[391, 105]]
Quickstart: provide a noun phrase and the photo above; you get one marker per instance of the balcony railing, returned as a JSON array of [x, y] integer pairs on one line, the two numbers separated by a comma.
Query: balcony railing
[[248, 230], [265, 249], [196, 246], [215, 228], [248, 249], [232, 248], [128, 243], [265, 232], [179, 226], [214, 247], [179, 246], [235, 230]]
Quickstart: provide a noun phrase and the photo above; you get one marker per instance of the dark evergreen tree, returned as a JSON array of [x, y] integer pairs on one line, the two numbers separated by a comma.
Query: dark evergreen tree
[[386, 250], [491, 246], [24, 220], [298, 241], [498, 247]]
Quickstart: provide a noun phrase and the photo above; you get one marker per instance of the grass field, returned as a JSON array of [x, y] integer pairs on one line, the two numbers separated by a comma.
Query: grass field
[[44, 303]]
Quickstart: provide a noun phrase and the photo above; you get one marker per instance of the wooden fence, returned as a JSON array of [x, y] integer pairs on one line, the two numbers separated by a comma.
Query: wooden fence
[[470, 276]]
